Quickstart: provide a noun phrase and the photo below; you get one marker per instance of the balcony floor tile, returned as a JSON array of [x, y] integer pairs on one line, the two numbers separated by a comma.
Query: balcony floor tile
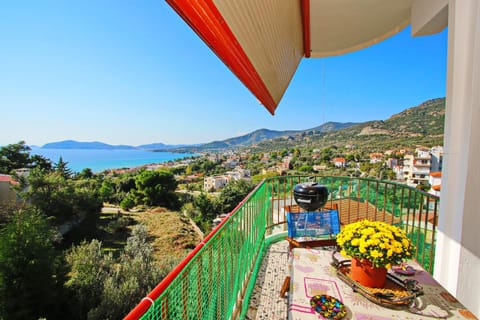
[[265, 302]]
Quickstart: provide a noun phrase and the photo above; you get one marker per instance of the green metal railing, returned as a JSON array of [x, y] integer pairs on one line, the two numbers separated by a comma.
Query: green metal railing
[[216, 279]]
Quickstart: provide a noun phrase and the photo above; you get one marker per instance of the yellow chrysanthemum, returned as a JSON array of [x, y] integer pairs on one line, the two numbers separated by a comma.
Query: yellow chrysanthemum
[[379, 242], [374, 253]]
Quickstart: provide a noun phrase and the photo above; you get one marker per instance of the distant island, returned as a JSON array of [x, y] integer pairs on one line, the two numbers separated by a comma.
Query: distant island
[[95, 145], [418, 125], [241, 141]]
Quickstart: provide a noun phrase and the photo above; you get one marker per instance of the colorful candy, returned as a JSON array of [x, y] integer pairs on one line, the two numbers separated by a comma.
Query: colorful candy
[[328, 306]]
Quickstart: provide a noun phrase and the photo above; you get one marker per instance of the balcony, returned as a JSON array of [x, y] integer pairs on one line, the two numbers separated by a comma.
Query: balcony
[[217, 279], [422, 164], [421, 172]]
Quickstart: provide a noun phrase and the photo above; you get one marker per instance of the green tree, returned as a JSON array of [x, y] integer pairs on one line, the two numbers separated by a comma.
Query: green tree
[[305, 168], [350, 157], [126, 183], [156, 188], [205, 211], [29, 286], [38, 161], [208, 166], [62, 168], [59, 197], [51, 193], [233, 193], [86, 173], [87, 200], [14, 156], [255, 157], [326, 154], [107, 190], [128, 202]]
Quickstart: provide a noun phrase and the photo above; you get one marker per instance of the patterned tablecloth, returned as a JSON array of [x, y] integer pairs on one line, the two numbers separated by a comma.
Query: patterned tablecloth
[[312, 274]]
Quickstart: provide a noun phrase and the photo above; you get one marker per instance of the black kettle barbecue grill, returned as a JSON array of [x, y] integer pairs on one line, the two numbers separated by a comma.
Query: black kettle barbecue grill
[[310, 196]]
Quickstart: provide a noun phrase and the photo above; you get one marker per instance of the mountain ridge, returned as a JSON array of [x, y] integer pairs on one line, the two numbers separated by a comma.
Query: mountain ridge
[[421, 123], [240, 141], [267, 134]]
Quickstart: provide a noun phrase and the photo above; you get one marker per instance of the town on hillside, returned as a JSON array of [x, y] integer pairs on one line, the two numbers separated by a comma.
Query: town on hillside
[[167, 208], [419, 168], [210, 172]]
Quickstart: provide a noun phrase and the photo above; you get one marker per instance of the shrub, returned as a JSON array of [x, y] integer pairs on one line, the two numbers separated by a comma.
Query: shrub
[[29, 284]]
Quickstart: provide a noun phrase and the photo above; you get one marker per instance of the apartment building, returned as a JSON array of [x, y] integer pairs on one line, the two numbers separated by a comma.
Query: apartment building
[[417, 166], [215, 182], [238, 173], [218, 182]]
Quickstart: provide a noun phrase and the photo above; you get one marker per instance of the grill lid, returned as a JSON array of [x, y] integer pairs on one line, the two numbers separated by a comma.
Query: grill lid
[[310, 195]]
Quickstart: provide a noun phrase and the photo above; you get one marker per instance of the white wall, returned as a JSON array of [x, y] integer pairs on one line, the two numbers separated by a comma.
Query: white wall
[[457, 261]]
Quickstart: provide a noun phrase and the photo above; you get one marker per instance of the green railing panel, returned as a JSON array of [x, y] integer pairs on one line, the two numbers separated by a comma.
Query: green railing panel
[[217, 282]]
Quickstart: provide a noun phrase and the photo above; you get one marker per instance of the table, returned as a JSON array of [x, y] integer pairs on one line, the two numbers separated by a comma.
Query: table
[[312, 274]]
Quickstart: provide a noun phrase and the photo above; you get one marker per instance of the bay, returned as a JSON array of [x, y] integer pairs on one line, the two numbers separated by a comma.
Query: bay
[[100, 159]]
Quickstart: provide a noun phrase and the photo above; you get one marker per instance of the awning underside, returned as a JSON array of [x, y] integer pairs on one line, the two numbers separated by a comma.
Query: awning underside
[[263, 41]]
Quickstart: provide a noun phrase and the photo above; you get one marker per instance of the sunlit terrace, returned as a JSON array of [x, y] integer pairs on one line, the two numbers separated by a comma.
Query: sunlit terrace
[[238, 269], [263, 44]]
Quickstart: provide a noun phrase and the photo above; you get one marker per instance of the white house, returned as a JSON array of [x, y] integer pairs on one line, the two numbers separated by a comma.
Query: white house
[[376, 157], [339, 162], [215, 183]]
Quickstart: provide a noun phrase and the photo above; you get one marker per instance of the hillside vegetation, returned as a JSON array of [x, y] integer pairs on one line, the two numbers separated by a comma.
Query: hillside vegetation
[[420, 125], [172, 235]]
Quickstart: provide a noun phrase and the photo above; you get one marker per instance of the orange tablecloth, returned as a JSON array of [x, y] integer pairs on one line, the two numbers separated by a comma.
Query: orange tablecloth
[[312, 274]]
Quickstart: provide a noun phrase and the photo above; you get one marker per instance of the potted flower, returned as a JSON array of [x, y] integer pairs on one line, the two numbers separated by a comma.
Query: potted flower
[[374, 247]]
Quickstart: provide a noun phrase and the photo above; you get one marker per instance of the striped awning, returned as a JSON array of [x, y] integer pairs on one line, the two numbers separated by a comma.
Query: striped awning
[[263, 41]]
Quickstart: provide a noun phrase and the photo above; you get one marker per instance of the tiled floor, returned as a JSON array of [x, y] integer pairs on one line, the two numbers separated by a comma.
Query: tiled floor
[[265, 302]]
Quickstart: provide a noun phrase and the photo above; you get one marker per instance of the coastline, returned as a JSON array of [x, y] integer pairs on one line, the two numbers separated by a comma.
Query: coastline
[[99, 160]]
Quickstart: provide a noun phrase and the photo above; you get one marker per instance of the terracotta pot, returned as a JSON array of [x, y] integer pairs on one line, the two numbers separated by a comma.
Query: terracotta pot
[[364, 273]]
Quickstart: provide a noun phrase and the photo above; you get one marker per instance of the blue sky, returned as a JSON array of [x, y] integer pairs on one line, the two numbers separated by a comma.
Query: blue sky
[[132, 72]]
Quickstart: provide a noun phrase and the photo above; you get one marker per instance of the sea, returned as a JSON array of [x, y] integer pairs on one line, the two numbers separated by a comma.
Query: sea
[[99, 160]]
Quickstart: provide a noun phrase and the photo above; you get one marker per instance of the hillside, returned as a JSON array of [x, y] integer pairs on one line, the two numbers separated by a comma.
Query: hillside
[[248, 139], [330, 126], [261, 135], [419, 125], [172, 234]]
